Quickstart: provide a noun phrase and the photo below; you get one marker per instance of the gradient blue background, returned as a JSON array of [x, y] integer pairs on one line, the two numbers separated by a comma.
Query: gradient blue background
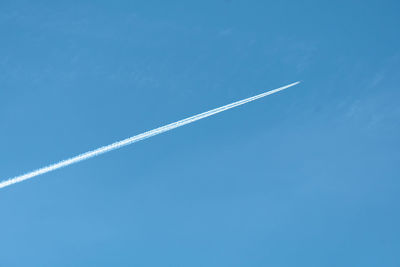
[[306, 177]]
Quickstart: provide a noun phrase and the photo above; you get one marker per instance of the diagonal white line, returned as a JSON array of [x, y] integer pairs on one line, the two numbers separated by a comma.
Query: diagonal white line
[[135, 138]]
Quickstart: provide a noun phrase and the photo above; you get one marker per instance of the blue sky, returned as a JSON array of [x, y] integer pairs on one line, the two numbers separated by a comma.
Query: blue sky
[[306, 177]]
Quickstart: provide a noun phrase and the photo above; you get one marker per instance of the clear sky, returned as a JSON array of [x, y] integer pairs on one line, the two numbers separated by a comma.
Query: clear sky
[[306, 177]]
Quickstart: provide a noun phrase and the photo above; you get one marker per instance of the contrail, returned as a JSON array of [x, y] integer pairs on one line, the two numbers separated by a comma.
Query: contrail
[[135, 138]]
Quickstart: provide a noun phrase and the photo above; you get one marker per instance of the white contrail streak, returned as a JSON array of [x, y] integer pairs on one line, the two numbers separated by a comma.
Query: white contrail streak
[[135, 138]]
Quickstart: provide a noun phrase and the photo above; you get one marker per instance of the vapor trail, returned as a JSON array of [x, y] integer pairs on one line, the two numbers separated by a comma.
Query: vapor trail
[[134, 139]]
